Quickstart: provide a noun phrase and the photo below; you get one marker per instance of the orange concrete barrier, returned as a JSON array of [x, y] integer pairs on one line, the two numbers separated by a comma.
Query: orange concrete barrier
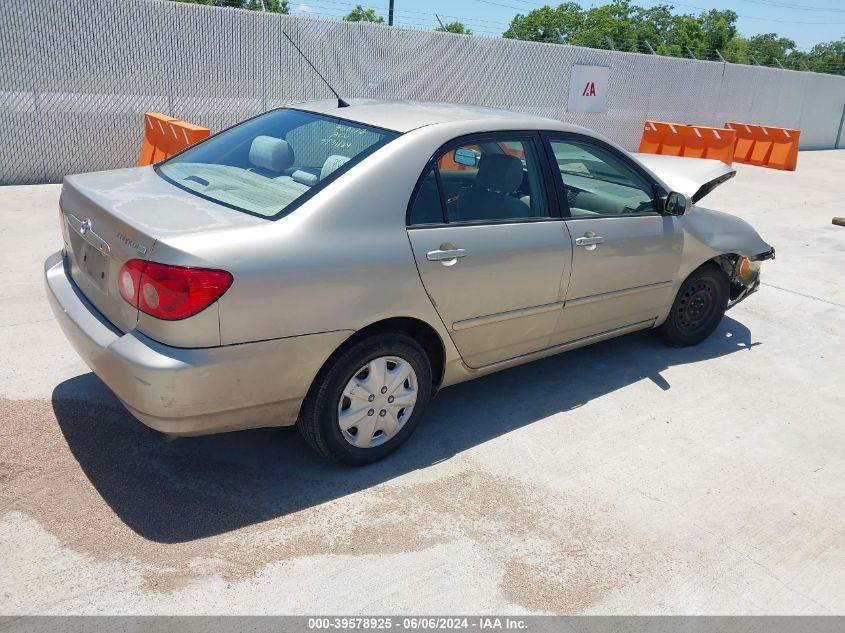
[[695, 141], [165, 136], [762, 146], [708, 142], [766, 146], [155, 135], [661, 138], [784, 149], [185, 134]]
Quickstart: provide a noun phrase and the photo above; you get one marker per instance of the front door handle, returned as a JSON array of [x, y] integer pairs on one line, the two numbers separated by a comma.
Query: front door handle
[[445, 255], [589, 240]]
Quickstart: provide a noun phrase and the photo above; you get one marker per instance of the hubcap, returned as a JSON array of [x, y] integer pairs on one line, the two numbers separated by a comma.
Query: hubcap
[[377, 401], [696, 306]]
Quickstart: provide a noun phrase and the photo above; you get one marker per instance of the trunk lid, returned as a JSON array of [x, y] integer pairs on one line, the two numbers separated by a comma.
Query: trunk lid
[[115, 216], [694, 177]]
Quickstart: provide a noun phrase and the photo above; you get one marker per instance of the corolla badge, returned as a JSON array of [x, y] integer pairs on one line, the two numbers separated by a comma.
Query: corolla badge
[[86, 226], [142, 250]]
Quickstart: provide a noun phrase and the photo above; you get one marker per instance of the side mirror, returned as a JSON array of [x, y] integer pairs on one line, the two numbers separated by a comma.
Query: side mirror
[[465, 156], [676, 204]]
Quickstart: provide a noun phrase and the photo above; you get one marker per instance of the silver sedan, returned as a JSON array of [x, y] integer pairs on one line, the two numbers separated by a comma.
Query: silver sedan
[[333, 265]]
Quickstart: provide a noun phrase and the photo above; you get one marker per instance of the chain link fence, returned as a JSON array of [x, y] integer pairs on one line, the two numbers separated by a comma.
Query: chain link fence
[[77, 76]]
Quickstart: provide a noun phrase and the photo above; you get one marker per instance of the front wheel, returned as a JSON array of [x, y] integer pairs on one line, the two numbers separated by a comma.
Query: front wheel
[[698, 308], [368, 401]]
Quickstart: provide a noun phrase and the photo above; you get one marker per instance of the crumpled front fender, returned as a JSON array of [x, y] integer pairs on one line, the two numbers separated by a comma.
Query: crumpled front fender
[[726, 233]]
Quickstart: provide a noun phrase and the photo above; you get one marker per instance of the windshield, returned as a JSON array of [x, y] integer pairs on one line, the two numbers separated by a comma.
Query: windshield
[[269, 165]]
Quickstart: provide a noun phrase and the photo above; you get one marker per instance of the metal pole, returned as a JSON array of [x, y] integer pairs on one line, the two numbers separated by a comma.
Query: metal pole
[[721, 59], [754, 60], [777, 61], [390, 14], [610, 43], [651, 50], [840, 141], [559, 35], [442, 26], [690, 52]]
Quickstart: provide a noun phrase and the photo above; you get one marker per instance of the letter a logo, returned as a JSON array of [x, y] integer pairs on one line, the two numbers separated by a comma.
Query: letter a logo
[[589, 89]]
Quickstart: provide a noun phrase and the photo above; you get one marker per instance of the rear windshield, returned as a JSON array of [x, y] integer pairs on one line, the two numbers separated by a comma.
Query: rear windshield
[[269, 165]]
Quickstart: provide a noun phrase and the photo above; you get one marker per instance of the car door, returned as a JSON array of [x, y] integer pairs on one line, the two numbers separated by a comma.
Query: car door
[[626, 255], [490, 245]]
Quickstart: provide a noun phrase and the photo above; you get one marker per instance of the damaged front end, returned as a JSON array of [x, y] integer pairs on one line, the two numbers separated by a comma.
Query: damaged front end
[[744, 274]]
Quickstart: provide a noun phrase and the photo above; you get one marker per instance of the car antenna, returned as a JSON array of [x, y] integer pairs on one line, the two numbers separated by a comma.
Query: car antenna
[[340, 102]]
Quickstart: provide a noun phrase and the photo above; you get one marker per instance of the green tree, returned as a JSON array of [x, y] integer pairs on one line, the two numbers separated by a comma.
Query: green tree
[[454, 27], [360, 14], [767, 47], [541, 25], [737, 50], [719, 28], [612, 22], [828, 57]]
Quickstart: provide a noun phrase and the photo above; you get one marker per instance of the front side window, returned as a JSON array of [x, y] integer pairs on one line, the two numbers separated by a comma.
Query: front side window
[[269, 164], [482, 180], [599, 183]]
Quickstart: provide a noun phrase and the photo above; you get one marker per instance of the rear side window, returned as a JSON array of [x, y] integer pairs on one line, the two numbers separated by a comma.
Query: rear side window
[[427, 207], [270, 164], [482, 180]]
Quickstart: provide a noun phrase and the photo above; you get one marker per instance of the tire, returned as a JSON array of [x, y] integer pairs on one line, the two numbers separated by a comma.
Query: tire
[[328, 406], [698, 308]]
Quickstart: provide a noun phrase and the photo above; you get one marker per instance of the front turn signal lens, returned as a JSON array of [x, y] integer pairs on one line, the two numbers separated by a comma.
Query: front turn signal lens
[[748, 270]]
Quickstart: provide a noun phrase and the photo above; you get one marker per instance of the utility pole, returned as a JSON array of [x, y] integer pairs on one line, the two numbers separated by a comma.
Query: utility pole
[[390, 14]]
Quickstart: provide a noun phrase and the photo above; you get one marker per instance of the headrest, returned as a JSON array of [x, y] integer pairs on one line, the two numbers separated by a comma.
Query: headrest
[[273, 154], [331, 164], [499, 172], [305, 177]]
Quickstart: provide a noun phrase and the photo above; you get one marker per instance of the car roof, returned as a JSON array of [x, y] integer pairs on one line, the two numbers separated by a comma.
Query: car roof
[[404, 116]]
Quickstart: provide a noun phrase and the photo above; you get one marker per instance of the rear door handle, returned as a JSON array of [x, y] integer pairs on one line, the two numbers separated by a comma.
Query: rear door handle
[[441, 256]]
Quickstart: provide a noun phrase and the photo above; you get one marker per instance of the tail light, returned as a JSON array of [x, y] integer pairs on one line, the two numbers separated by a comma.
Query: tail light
[[171, 292]]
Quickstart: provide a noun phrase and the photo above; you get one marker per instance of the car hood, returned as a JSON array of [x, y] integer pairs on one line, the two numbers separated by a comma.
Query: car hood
[[693, 177]]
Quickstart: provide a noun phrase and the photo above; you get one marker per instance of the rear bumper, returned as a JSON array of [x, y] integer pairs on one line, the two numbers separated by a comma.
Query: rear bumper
[[190, 391]]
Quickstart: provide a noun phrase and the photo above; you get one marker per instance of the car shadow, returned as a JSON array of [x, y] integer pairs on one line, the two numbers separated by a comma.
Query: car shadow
[[176, 490]]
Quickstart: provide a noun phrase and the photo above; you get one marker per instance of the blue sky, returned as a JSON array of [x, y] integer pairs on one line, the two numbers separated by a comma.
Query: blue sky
[[805, 21]]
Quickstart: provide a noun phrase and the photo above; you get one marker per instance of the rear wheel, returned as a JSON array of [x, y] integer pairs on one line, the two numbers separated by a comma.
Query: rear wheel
[[368, 401], [698, 308]]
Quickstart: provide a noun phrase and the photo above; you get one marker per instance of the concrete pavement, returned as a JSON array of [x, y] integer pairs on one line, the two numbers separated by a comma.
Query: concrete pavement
[[624, 478]]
